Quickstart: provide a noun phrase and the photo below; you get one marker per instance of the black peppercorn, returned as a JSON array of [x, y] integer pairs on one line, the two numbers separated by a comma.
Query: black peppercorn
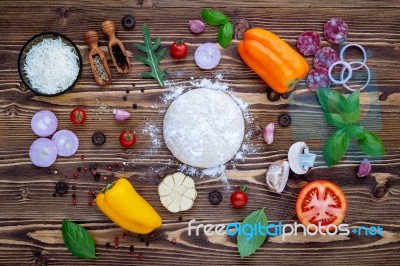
[[125, 98], [108, 245], [134, 106], [74, 196]]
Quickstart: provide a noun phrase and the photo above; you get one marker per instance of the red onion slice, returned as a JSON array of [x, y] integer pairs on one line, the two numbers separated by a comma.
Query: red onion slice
[[44, 123], [207, 56], [43, 152], [66, 141]]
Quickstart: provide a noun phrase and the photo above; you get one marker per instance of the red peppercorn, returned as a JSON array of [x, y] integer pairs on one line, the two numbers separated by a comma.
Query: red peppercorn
[[90, 203], [116, 164], [116, 239], [116, 246], [94, 172], [74, 202], [125, 235], [109, 168], [140, 257], [174, 240], [90, 193], [82, 157], [152, 235], [85, 168], [131, 252], [75, 174]]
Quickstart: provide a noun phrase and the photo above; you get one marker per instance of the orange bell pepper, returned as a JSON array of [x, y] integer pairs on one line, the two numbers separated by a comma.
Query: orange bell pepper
[[273, 59]]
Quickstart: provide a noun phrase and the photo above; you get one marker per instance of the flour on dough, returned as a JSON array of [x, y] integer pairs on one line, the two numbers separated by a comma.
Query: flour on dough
[[204, 128]]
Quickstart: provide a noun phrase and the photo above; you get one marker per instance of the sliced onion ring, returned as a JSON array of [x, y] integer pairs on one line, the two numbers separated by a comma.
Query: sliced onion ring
[[43, 152], [66, 141], [207, 56], [368, 78], [44, 123], [341, 56], [346, 65]]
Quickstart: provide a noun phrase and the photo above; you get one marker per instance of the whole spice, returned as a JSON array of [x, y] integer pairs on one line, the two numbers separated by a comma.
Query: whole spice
[[274, 60], [343, 113], [124, 206], [119, 55], [364, 168], [153, 59], [268, 133]]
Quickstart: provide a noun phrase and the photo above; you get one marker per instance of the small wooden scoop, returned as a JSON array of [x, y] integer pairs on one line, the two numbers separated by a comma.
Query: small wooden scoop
[[116, 48], [92, 40]]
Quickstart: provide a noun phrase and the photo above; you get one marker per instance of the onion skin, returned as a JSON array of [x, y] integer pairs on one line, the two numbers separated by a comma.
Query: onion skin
[[196, 26], [121, 115]]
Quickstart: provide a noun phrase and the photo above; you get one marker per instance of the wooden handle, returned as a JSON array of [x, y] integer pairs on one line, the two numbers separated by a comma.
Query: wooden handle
[[91, 39], [108, 27]]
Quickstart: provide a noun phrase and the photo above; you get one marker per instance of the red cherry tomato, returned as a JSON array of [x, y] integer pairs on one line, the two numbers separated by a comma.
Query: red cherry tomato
[[239, 198], [178, 49], [127, 139], [77, 116], [322, 202]]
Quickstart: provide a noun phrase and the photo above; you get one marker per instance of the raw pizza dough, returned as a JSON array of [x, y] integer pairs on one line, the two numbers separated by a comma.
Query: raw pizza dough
[[204, 128]]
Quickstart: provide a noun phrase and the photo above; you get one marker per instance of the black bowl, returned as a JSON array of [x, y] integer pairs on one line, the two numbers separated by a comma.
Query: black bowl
[[35, 40]]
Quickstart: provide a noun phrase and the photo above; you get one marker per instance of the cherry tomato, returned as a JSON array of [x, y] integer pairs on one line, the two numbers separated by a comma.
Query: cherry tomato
[[322, 202], [127, 139], [178, 49], [77, 116], [239, 198]]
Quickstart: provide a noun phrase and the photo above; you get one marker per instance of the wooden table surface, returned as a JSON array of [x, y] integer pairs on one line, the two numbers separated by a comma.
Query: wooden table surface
[[31, 217]]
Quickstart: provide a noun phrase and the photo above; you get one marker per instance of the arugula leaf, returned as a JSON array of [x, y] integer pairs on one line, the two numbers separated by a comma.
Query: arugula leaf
[[225, 34], [213, 17], [77, 240], [336, 146], [331, 101], [153, 59], [248, 247], [371, 145], [355, 131]]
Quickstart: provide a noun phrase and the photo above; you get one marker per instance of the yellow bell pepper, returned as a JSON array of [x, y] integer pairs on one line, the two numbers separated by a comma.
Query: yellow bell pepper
[[273, 59], [120, 202]]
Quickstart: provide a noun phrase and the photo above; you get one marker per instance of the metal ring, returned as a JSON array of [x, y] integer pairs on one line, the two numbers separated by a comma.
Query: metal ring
[[341, 56], [341, 81]]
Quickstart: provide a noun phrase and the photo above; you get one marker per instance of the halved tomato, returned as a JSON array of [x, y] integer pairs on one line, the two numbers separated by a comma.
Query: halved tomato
[[321, 202]]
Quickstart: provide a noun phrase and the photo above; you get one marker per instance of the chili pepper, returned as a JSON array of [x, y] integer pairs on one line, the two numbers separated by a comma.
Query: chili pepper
[[125, 207], [274, 60]]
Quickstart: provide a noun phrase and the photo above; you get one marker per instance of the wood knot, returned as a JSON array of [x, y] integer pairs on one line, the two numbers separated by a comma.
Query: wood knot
[[241, 26], [40, 257], [147, 3], [11, 110], [24, 194], [383, 96], [379, 191]]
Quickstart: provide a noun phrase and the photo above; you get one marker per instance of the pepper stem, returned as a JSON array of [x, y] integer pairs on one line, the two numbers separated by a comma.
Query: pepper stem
[[244, 189], [108, 187]]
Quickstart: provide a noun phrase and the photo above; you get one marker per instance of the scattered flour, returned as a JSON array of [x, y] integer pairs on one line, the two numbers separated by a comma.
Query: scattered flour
[[155, 135]]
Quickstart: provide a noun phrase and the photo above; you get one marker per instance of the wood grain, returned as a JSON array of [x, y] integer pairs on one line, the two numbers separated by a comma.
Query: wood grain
[[31, 217]]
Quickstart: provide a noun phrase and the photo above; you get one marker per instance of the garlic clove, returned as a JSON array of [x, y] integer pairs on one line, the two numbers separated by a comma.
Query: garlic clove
[[268, 133], [196, 26], [121, 115], [364, 168]]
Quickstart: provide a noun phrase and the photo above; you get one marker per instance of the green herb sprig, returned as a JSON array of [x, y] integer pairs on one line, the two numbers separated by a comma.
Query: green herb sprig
[[215, 18], [343, 113], [246, 246], [77, 240], [153, 59]]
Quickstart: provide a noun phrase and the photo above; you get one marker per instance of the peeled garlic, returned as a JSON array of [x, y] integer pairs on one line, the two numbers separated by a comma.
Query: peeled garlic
[[268, 133], [364, 168], [121, 115], [177, 192]]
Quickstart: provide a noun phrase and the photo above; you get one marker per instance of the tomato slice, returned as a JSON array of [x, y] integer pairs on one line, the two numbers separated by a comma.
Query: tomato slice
[[321, 202]]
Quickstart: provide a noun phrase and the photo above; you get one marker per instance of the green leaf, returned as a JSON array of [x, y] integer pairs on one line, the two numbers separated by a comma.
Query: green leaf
[[355, 131], [77, 240], [336, 120], [153, 59], [213, 17], [247, 246], [371, 145], [351, 108], [331, 101], [225, 34], [336, 146]]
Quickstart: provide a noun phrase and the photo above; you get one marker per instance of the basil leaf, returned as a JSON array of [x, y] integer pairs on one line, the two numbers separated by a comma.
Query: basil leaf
[[336, 120], [225, 34], [213, 17], [336, 146], [246, 246], [77, 240], [371, 145], [352, 107], [331, 101], [355, 131]]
